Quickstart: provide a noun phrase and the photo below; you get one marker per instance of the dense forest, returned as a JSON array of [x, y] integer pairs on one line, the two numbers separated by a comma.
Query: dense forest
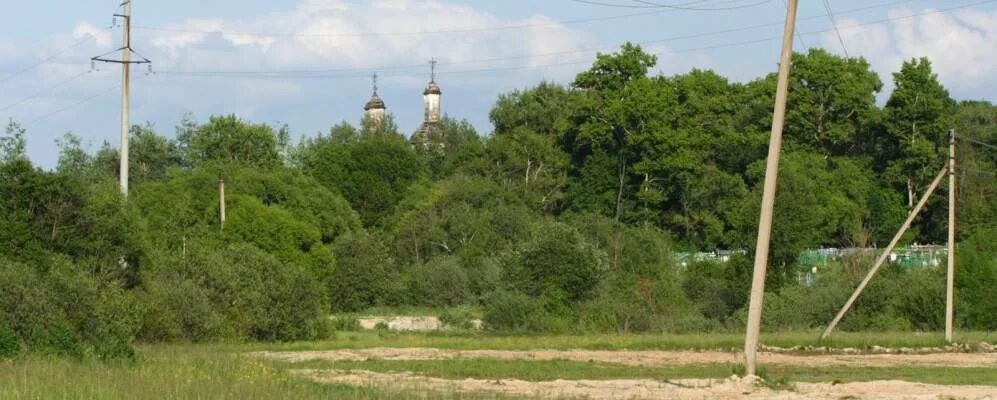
[[565, 218]]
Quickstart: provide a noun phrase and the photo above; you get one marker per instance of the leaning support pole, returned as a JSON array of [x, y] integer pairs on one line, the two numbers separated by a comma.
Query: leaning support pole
[[886, 252], [768, 195], [950, 276]]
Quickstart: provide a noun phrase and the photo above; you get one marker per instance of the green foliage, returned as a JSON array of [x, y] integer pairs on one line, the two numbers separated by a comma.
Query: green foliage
[[557, 262], [232, 141], [564, 218], [365, 276], [373, 174]]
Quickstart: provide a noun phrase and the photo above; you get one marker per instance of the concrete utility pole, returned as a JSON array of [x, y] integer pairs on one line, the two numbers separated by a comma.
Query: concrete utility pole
[[221, 202], [950, 276], [768, 195], [126, 58], [126, 62], [886, 252]]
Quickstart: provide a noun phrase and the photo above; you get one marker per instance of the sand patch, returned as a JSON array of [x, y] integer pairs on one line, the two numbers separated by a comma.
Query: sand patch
[[646, 358], [730, 388]]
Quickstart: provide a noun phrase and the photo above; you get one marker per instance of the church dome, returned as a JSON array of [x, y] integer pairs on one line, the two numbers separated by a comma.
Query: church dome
[[375, 103], [433, 88]]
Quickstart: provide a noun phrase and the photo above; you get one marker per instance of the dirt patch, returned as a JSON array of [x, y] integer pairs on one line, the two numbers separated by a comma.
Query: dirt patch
[[647, 358], [409, 324], [730, 388]]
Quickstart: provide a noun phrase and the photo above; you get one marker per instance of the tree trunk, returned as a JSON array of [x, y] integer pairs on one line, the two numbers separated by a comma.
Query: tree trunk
[[619, 192]]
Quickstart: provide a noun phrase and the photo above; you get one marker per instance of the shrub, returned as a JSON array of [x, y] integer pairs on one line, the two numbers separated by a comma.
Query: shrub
[[364, 276], [556, 262], [9, 346], [440, 283], [516, 312]]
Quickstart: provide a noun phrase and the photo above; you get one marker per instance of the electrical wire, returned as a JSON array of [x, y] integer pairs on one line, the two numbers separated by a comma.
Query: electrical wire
[[43, 91], [527, 56], [47, 59], [365, 70], [976, 141], [834, 23], [680, 7], [406, 33]]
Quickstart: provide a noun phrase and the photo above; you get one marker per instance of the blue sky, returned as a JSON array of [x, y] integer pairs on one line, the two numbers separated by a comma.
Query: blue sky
[[486, 48]]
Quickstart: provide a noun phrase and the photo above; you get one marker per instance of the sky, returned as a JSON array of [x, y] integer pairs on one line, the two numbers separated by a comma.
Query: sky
[[308, 63]]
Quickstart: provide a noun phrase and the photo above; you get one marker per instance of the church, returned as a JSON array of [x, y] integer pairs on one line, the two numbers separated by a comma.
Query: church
[[430, 133]]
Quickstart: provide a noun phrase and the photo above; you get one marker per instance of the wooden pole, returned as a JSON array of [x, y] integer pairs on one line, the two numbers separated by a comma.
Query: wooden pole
[[768, 195], [221, 202], [886, 252], [950, 276]]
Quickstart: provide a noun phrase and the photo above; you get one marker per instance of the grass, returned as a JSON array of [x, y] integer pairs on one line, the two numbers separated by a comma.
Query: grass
[[546, 370], [215, 371], [717, 341], [175, 372]]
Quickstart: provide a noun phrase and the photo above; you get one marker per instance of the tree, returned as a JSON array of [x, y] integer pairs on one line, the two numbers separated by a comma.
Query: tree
[[230, 140], [832, 100], [918, 117], [13, 145], [618, 111], [373, 174]]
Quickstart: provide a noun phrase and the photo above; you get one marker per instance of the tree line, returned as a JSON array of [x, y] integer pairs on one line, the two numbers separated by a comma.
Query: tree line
[[563, 219]]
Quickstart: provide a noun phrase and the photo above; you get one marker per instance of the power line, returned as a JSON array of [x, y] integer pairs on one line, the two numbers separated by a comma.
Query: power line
[[683, 6], [87, 99], [43, 91], [365, 70], [979, 171], [405, 33], [47, 59], [976, 141], [527, 56], [834, 23]]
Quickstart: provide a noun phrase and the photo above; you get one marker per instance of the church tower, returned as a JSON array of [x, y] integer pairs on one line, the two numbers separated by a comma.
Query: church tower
[[374, 110], [429, 135]]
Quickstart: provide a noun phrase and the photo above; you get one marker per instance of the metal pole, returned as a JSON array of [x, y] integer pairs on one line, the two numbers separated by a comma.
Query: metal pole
[[886, 252], [768, 195], [125, 81], [950, 276], [221, 202]]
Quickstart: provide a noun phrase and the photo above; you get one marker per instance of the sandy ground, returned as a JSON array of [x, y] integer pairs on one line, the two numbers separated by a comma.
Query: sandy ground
[[731, 388], [648, 358]]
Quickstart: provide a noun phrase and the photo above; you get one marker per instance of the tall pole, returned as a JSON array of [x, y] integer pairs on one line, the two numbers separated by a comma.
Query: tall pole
[[950, 276], [126, 57], [221, 202], [768, 195], [886, 252]]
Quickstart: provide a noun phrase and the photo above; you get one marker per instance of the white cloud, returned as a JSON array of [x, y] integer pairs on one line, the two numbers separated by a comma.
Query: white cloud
[[962, 47], [333, 34], [102, 37]]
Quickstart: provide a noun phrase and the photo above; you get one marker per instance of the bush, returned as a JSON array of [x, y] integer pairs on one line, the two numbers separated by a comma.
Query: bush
[[64, 311], [9, 346], [440, 283], [239, 292], [517, 312], [364, 276], [558, 263]]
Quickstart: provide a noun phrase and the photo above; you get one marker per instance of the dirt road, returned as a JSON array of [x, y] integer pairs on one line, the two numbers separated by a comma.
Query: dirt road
[[730, 388], [648, 358]]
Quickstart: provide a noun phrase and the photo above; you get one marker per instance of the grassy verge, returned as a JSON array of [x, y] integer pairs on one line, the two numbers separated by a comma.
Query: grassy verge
[[173, 372], [719, 341], [572, 370]]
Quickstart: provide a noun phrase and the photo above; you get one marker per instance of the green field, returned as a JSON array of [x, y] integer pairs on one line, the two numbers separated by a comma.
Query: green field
[[223, 371]]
